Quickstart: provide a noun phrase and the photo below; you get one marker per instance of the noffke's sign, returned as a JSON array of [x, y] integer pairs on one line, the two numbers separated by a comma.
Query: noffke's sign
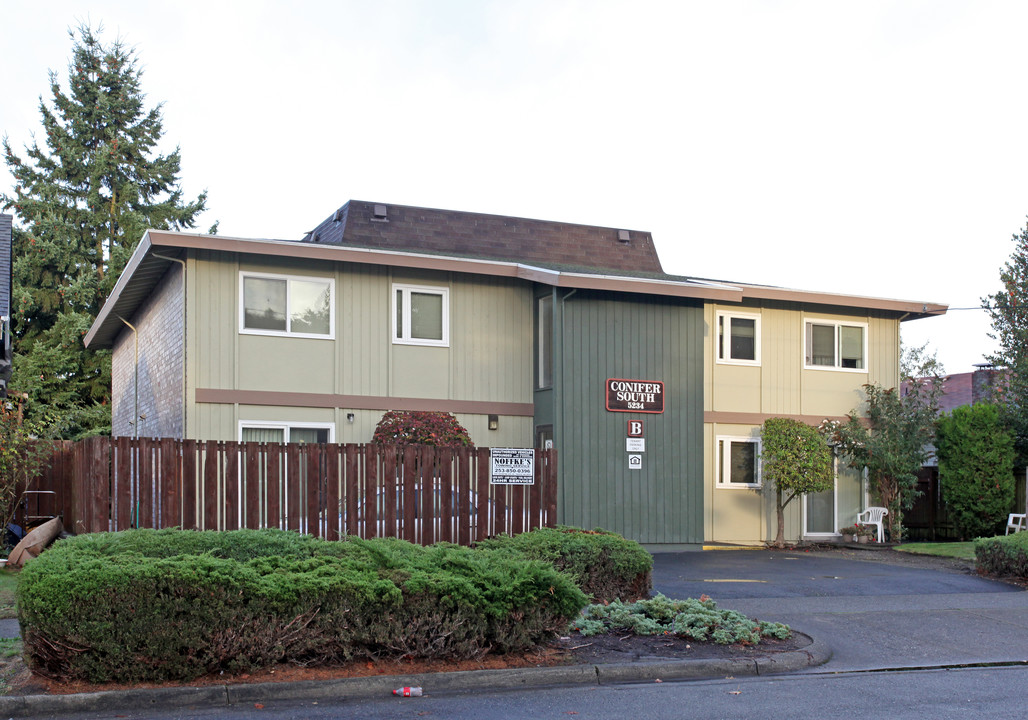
[[635, 395]]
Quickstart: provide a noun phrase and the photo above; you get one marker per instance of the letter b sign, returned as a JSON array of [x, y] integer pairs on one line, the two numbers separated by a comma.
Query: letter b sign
[[635, 428]]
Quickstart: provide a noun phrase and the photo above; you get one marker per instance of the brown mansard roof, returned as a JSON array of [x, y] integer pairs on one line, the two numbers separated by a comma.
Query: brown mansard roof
[[495, 237], [561, 255]]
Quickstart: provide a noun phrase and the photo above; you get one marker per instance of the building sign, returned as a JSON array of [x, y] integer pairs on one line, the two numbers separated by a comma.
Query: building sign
[[636, 445], [512, 466], [635, 428], [635, 395], [635, 462]]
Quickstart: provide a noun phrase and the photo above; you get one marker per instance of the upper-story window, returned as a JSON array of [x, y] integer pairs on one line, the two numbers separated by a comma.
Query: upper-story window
[[738, 338], [836, 345], [286, 305], [421, 315]]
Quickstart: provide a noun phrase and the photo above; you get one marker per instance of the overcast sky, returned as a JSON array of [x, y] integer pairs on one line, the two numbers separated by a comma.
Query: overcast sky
[[872, 148]]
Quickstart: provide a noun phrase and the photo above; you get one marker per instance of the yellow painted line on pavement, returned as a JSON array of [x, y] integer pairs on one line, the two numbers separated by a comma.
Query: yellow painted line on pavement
[[733, 547]]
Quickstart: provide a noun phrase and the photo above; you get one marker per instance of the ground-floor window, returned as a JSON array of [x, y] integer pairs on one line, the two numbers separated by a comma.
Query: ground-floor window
[[285, 432], [738, 462]]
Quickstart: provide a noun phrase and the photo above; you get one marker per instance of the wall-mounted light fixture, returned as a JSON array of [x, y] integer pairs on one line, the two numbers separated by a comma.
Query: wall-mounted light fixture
[[494, 422], [350, 417]]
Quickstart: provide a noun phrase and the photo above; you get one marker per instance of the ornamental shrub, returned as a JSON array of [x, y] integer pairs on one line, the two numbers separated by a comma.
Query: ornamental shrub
[[605, 565], [148, 605], [976, 468], [1006, 555], [795, 459], [409, 427], [698, 620]]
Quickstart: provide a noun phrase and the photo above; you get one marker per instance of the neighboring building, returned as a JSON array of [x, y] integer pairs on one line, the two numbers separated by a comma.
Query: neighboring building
[[522, 322]]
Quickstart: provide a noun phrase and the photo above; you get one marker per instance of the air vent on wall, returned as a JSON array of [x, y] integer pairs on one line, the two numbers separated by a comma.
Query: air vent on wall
[[380, 214], [623, 236]]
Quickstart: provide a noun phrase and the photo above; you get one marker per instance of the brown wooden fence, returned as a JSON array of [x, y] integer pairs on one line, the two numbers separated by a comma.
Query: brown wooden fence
[[418, 493]]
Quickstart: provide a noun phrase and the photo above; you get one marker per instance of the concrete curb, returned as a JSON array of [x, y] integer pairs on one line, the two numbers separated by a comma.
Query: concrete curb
[[817, 653]]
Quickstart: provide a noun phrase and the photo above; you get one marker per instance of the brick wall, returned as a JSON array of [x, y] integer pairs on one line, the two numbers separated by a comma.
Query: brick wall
[[161, 329]]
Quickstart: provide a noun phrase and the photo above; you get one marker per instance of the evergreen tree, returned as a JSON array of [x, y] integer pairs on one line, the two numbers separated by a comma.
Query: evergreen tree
[[1008, 310], [976, 468], [83, 200]]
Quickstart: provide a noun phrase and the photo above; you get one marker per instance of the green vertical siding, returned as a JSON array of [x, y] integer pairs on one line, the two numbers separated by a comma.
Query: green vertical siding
[[601, 335]]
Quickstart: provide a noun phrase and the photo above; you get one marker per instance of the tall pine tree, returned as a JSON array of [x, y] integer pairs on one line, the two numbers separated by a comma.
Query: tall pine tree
[[83, 200], [1008, 310]]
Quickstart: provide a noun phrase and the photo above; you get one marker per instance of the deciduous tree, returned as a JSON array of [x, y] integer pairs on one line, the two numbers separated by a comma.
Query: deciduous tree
[[795, 459]]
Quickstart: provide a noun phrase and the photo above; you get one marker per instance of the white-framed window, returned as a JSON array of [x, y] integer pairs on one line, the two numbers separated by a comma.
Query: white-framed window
[[738, 462], [292, 305], [285, 432], [738, 338], [544, 363], [833, 345], [421, 315]]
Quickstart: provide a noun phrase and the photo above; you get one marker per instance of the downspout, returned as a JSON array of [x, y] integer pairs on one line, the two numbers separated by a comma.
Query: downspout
[[135, 364], [185, 319]]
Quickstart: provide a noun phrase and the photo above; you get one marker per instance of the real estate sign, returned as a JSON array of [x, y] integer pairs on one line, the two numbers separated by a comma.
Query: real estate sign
[[512, 466]]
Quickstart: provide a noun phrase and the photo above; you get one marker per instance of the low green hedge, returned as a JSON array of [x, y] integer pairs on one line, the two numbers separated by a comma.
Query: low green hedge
[[1005, 555], [150, 605], [605, 565]]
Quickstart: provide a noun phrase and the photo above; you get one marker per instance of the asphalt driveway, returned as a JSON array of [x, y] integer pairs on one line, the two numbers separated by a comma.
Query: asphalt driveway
[[873, 615], [727, 574]]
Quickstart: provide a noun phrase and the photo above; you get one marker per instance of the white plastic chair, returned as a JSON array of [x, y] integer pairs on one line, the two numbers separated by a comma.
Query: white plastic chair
[[873, 516], [1017, 523]]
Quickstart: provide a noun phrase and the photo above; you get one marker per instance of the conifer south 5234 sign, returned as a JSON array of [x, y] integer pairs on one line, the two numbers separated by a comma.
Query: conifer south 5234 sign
[[635, 395]]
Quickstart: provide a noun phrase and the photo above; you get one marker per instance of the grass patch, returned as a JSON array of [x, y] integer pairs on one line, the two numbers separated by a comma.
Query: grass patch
[[8, 585], [959, 550], [10, 647]]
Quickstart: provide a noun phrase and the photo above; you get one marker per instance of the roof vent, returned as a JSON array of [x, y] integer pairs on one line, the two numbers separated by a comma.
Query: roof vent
[[338, 217], [379, 213], [316, 238], [623, 236]]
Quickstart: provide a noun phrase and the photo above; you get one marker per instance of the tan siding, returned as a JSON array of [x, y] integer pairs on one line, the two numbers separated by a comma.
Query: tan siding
[[781, 386]]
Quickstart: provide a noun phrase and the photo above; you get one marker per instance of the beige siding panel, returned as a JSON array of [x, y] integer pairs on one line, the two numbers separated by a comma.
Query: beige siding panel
[[781, 360], [215, 315], [491, 339], [420, 372], [286, 364], [363, 330]]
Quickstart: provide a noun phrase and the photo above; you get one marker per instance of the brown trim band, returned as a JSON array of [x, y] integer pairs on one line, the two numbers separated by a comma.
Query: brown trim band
[[360, 402], [743, 418]]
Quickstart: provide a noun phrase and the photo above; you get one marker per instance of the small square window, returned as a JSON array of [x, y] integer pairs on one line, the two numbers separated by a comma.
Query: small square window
[[738, 462], [738, 338], [835, 345], [421, 315]]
